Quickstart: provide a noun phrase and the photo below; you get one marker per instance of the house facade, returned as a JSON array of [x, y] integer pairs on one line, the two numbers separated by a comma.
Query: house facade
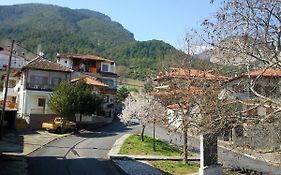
[[256, 105], [18, 60], [179, 88], [36, 82], [96, 68]]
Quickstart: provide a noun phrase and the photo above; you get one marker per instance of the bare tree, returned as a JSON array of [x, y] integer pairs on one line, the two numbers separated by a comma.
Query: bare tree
[[247, 29], [245, 32], [248, 32], [180, 89]]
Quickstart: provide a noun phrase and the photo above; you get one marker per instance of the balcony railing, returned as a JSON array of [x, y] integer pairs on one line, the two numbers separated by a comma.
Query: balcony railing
[[45, 87]]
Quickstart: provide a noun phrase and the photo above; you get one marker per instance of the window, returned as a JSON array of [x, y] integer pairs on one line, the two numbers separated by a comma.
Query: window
[[104, 67], [111, 84], [39, 82], [56, 81], [41, 102]]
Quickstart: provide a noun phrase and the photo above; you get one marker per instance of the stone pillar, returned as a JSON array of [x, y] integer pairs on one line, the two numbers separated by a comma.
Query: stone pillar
[[209, 156]]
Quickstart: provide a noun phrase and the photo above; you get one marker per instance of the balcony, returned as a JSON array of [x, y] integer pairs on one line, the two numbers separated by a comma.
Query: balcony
[[41, 87], [9, 104]]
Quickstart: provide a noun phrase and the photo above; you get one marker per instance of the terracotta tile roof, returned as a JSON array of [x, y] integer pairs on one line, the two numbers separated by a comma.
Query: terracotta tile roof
[[90, 81], [266, 73], [182, 73], [260, 72], [40, 63], [85, 57]]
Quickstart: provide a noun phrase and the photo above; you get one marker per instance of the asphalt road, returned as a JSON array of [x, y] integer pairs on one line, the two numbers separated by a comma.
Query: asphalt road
[[84, 153], [227, 157]]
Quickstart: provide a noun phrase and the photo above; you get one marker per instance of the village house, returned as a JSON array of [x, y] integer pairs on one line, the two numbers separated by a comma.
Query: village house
[[35, 83], [178, 88], [18, 60], [97, 69], [256, 107]]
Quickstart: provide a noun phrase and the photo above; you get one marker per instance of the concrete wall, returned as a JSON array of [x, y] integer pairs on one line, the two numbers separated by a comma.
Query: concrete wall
[[32, 102], [16, 62], [266, 136], [66, 62]]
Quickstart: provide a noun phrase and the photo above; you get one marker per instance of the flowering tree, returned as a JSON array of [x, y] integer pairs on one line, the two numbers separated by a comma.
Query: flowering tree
[[145, 109]]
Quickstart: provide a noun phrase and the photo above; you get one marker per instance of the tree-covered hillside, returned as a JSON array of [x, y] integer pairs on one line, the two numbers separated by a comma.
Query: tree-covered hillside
[[53, 29], [59, 29]]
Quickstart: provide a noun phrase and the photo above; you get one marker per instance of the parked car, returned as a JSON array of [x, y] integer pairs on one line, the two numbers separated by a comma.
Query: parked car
[[59, 125], [133, 121]]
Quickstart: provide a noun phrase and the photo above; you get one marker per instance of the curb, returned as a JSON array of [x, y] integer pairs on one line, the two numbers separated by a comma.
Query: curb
[[114, 151], [117, 145], [118, 168]]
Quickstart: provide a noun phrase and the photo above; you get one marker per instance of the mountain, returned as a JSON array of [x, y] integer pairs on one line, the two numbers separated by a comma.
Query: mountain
[[53, 29], [59, 29]]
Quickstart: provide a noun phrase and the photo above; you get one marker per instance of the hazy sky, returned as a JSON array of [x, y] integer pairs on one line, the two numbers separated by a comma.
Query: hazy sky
[[166, 20]]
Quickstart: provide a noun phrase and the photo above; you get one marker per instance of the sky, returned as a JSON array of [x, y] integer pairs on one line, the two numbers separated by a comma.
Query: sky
[[166, 20]]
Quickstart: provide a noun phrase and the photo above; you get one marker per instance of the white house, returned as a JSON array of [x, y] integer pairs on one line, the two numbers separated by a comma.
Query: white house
[[17, 61], [256, 108], [36, 82]]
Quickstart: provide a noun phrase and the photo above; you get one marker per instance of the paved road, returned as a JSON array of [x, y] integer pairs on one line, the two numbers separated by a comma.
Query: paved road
[[226, 157], [84, 153]]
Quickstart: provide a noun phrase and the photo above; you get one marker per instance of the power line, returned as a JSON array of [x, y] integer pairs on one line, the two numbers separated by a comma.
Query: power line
[[18, 43]]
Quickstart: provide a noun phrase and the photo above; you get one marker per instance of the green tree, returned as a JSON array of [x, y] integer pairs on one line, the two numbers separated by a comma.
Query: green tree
[[63, 100], [88, 101], [69, 99], [122, 94]]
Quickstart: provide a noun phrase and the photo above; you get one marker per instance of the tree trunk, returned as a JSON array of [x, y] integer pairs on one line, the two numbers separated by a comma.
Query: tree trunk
[[185, 151], [154, 148], [142, 133]]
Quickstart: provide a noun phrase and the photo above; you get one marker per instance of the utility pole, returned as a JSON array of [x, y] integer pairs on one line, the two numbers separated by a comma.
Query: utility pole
[[6, 91]]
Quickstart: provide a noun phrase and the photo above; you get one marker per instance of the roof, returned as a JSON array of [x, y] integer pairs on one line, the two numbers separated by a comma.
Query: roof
[[184, 73], [90, 81], [266, 73], [40, 63], [260, 72], [188, 91], [85, 57]]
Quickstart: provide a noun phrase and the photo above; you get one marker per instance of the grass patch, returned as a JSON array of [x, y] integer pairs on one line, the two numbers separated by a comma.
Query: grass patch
[[175, 167], [134, 146]]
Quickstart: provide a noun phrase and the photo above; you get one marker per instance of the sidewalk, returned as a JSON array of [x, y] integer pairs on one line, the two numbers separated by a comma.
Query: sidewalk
[[15, 146]]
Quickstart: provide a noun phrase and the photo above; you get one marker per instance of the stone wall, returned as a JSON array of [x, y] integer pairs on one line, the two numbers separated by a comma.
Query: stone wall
[[260, 136]]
